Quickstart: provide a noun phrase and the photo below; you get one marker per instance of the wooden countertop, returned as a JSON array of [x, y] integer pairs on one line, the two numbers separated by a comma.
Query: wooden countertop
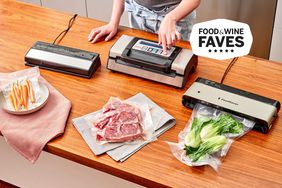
[[252, 161]]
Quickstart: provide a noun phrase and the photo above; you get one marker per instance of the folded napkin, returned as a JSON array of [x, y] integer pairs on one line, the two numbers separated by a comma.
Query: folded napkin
[[122, 151], [28, 134]]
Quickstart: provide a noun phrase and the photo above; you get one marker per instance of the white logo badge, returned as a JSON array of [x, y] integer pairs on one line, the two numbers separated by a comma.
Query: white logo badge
[[221, 39]]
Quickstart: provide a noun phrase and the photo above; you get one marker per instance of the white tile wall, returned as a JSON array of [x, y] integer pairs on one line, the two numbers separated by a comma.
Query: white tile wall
[[102, 11], [278, 19], [88, 8], [276, 44], [70, 6]]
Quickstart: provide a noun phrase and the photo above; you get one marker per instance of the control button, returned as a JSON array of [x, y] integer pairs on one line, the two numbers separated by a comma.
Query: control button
[[149, 49], [156, 50], [144, 48]]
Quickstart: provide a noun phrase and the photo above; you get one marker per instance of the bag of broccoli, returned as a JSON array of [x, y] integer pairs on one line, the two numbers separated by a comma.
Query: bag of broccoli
[[208, 136]]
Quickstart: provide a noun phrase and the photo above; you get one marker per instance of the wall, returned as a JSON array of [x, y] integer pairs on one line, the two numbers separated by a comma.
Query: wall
[[276, 52], [103, 12], [86, 8], [73, 6], [247, 12]]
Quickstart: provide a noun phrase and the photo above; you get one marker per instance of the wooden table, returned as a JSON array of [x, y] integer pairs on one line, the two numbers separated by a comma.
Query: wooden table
[[254, 160]]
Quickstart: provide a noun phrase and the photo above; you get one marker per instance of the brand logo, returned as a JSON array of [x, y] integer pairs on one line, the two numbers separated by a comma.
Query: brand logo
[[221, 39], [229, 101]]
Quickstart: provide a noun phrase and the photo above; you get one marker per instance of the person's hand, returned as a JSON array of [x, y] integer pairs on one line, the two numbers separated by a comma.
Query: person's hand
[[108, 31], [168, 33]]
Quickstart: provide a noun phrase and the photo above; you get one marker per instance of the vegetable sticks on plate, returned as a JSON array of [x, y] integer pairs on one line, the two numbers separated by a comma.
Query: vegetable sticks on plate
[[20, 94]]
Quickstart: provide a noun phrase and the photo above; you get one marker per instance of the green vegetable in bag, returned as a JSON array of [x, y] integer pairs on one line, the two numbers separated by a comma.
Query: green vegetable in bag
[[209, 131], [193, 138], [209, 146], [225, 123], [206, 135]]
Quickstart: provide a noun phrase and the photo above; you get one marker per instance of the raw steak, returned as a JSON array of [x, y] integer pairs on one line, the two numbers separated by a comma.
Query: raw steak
[[119, 122]]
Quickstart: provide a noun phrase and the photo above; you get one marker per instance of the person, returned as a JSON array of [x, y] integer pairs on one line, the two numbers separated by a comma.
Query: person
[[172, 20]]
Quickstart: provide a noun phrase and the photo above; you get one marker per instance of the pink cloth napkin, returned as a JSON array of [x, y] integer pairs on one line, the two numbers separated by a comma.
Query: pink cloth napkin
[[28, 134]]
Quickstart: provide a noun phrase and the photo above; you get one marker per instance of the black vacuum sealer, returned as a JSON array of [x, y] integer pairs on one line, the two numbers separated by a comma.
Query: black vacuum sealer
[[63, 59]]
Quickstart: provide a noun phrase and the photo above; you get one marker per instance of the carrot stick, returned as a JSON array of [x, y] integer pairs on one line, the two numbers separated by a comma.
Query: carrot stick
[[16, 96], [31, 92], [12, 101], [14, 86], [19, 95], [27, 86], [25, 96]]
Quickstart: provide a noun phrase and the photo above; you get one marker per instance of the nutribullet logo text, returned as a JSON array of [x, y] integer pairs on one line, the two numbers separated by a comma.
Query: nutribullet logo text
[[221, 39]]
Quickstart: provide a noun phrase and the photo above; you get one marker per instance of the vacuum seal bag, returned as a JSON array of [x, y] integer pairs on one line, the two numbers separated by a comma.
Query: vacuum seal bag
[[122, 121], [208, 136], [22, 93]]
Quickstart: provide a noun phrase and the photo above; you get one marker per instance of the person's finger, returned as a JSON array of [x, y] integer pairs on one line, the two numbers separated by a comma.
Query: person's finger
[[173, 39], [93, 34], [98, 36], [160, 39], [110, 36], [90, 34], [178, 35], [164, 44], [168, 41]]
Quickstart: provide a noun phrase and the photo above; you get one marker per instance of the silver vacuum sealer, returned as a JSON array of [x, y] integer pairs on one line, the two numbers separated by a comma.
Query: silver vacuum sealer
[[260, 109], [63, 59], [145, 59]]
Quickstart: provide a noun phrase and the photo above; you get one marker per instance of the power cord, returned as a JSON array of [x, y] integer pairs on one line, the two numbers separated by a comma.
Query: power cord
[[228, 68], [63, 33]]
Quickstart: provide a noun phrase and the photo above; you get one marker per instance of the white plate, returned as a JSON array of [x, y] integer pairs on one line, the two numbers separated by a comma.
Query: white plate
[[44, 94]]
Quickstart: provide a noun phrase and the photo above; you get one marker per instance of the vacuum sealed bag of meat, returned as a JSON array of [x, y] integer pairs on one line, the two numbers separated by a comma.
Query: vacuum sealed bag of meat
[[121, 121], [208, 136]]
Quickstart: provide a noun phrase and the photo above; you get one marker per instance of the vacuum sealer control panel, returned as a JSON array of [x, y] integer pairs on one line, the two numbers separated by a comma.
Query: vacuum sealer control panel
[[149, 55], [152, 47]]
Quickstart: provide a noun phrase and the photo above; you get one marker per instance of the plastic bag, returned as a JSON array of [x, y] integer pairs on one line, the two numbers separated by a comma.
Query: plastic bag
[[208, 136], [122, 121], [22, 94]]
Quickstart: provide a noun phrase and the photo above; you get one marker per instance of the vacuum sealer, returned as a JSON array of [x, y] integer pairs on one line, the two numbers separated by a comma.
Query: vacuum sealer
[[144, 58], [260, 109], [63, 59]]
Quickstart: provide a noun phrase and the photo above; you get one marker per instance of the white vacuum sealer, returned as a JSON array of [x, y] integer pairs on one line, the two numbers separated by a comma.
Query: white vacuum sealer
[[145, 59], [260, 109]]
